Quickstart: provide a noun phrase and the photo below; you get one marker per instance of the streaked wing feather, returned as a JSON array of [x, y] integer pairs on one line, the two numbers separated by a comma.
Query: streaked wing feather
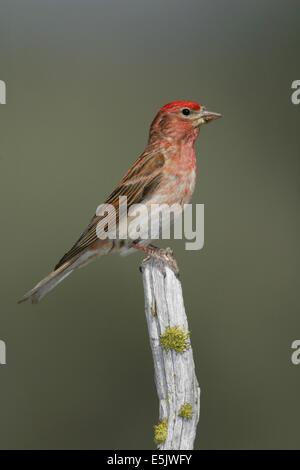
[[139, 183]]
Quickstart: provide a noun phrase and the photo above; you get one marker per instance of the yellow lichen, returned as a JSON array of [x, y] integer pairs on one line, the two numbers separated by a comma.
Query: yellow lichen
[[160, 431], [186, 411], [175, 338]]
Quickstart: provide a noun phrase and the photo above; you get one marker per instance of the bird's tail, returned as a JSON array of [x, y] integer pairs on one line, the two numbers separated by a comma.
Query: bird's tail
[[48, 283]]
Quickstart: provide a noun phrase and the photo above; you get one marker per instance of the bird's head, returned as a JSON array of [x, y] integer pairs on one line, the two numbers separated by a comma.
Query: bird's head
[[181, 119]]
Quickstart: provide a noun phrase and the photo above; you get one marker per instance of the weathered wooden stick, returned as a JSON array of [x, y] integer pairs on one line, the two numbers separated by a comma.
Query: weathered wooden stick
[[177, 386]]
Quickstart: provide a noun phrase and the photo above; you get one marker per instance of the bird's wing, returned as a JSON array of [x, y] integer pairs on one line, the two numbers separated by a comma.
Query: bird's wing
[[139, 183]]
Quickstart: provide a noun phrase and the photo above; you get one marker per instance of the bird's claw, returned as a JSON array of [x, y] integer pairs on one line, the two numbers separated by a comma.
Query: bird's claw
[[163, 257], [144, 262], [169, 260]]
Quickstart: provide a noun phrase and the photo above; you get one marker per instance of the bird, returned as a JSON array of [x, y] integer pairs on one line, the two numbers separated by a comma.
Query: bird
[[165, 173]]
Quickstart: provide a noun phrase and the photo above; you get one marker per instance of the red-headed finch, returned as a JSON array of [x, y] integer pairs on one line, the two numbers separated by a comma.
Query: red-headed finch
[[165, 173]]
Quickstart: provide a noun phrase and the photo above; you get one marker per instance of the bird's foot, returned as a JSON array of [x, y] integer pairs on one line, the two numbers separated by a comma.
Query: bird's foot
[[144, 262], [161, 256], [166, 256]]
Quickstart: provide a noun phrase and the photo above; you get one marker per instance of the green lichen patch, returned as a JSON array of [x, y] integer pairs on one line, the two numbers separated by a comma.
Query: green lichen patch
[[175, 338], [160, 431], [186, 411]]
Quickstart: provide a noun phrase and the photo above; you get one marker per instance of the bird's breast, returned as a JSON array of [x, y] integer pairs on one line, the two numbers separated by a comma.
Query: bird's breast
[[181, 176]]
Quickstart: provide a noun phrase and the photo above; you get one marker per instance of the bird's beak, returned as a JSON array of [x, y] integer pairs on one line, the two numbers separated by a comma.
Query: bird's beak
[[206, 116]]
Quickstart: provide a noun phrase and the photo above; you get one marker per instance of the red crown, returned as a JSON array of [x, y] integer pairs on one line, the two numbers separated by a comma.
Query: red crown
[[177, 105]]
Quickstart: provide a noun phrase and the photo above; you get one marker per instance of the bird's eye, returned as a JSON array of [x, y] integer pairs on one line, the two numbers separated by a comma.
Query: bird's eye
[[186, 112]]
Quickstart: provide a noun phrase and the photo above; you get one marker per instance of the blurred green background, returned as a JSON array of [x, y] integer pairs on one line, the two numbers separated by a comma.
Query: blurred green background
[[84, 80]]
